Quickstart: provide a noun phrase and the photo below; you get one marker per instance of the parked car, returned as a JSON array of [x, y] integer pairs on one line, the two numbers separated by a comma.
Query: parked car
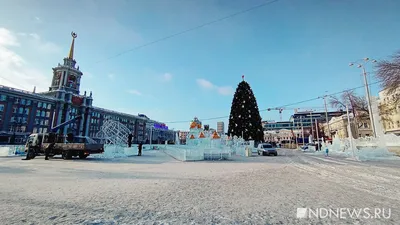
[[307, 147], [266, 149]]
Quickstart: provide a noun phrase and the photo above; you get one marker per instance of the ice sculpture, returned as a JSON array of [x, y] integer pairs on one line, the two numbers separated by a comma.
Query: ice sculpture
[[367, 148], [114, 133]]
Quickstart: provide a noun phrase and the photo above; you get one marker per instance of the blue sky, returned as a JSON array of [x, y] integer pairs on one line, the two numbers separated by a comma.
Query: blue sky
[[288, 51]]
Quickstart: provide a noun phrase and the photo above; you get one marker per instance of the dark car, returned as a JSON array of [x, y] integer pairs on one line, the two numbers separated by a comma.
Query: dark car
[[266, 149]]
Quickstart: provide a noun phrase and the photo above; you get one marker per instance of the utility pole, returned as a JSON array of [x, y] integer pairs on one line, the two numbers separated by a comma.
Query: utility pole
[[302, 130], [371, 116], [316, 127], [312, 126], [349, 130], [295, 137], [326, 116]]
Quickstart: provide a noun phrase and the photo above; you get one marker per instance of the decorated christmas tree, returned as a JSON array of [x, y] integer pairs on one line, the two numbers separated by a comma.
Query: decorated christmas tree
[[245, 119]]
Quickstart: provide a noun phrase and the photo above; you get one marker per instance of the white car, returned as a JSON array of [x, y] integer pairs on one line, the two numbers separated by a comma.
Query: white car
[[266, 149]]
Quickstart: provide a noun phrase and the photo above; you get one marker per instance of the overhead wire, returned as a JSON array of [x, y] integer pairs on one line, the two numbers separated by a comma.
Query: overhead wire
[[283, 106], [191, 29], [11, 82]]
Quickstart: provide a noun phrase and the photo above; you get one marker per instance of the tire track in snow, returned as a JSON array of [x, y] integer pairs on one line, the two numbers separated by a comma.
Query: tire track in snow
[[333, 176], [370, 172]]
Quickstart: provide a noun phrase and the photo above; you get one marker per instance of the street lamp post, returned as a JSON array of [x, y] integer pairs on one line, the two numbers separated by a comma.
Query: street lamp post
[[371, 116], [326, 117]]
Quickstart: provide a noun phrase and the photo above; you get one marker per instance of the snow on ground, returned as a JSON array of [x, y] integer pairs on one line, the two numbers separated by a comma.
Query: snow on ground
[[156, 189]]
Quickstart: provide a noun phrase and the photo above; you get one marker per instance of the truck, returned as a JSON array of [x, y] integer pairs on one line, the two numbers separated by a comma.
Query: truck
[[51, 144]]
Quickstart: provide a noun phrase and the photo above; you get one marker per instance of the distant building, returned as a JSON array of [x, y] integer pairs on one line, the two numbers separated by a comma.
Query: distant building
[[220, 127], [280, 136], [338, 127], [182, 136], [24, 112], [272, 125], [306, 120], [389, 106]]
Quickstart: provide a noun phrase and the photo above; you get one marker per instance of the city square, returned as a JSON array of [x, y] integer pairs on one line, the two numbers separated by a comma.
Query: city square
[[193, 112], [157, 189]]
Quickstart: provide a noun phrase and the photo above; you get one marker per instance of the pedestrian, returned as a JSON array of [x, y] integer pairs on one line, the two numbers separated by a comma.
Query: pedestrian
[[52, 138], [140, 145], [29, 153], [326, 151], [130, 136], [47, 150]]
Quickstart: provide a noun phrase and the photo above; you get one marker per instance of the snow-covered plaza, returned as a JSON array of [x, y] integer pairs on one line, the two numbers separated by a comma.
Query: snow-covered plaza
[[157, 189]]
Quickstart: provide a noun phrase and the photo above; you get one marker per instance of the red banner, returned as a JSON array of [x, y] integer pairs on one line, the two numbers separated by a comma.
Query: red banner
[[76, 100]]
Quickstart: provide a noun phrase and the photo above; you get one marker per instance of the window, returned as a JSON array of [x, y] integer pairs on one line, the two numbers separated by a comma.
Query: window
[[21, 110], [38, 113], [15, 108], [44, 130], [23, 129], [365, 125], [12, 119], [44, 105], [11, 128], [46, 122], [36, 121], [49, 106], [26, 111], [16, 101], [24, 120], [398, 123], [3, 98], [28, 102], [43, 113], [39, 105], [1, 107], [23, 101], [34, 130]]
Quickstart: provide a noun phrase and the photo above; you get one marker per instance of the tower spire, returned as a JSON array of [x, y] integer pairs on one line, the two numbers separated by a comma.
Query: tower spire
[[71, 51]]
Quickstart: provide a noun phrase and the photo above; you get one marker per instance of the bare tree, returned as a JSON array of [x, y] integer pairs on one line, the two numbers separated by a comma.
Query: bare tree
[[389, 73], [357, 105]]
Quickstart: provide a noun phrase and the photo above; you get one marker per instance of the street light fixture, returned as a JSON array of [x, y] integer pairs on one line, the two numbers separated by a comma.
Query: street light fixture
[[362, 66]]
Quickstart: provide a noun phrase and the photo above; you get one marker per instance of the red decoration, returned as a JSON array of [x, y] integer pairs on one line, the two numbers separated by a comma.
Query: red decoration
[[76, 100]]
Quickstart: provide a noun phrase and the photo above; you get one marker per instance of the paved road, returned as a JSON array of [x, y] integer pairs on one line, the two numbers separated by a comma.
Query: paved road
[[156, 189]]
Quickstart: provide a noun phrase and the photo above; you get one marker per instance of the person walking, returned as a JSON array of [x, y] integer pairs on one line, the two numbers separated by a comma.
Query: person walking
[[52, 139], [326, 151], [130, 136], [140, 145], [47, 150]]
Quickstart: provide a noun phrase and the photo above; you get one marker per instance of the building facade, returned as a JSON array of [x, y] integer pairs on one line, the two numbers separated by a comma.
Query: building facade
[[305, 121], [272, 125], [389, 107], [182, 136], [221, 127], [338, 127], [23, 112]]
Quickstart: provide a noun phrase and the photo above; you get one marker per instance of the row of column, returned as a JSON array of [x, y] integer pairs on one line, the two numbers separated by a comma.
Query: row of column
[[83, 124]]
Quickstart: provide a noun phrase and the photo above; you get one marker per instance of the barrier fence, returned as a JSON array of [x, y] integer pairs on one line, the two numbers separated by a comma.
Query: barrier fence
[[12, 150]]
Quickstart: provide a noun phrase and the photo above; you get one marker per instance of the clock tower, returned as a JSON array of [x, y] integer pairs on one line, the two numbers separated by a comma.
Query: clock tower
[[67, 77]]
